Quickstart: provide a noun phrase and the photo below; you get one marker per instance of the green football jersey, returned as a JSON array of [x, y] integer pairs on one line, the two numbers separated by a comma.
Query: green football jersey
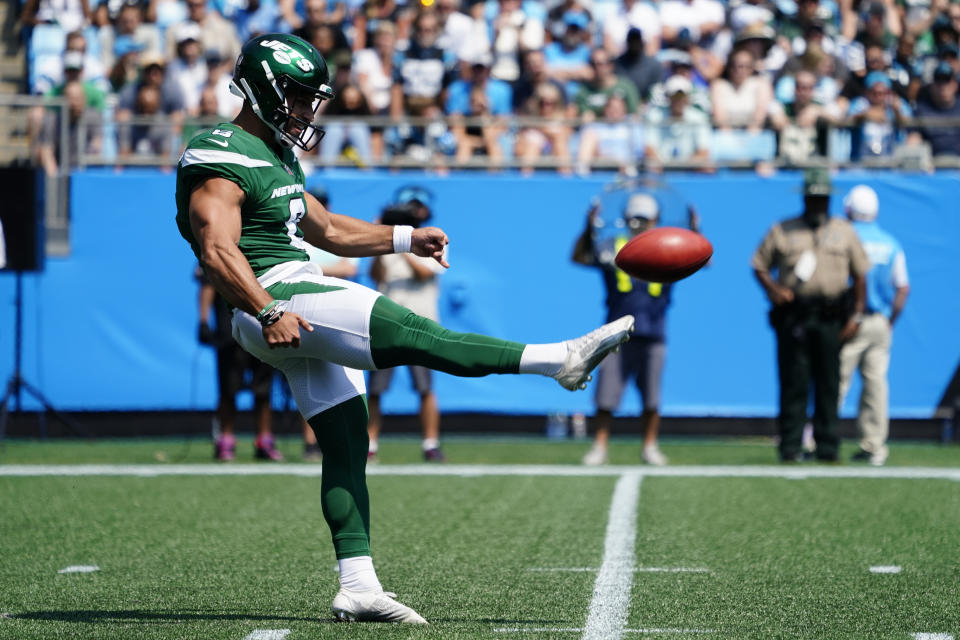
[[273, 184]]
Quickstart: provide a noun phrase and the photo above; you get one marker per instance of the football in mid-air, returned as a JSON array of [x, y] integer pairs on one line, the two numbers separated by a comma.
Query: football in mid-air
[[664, 254]]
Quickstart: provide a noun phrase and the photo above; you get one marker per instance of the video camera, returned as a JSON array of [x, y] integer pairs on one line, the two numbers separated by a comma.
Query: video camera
[[411, 206]]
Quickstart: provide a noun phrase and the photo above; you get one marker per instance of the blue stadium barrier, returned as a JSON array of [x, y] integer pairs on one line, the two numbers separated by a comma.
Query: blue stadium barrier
[[113, 326]]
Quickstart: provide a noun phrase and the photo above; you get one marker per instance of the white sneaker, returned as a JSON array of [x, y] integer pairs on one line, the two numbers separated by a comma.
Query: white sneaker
[[372, 606], [652, 455], [586, 352], [879, 458], [595, 457]]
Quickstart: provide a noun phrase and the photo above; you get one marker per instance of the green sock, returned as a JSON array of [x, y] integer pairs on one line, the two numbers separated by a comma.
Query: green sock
[[342, 436], [399, 337]]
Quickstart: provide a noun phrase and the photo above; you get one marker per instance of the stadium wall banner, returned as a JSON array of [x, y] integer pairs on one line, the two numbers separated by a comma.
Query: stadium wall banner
[[113, 325]]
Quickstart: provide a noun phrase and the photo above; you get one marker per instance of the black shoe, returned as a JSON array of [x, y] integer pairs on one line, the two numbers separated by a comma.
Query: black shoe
[[861, 456], [312, 453], [796, 458], [828, 458]]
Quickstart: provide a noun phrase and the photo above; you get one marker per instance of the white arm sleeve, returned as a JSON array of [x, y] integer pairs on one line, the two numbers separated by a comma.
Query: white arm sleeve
[[899, 272]]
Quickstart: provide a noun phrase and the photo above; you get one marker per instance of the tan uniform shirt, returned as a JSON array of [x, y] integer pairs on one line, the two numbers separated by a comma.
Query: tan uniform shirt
[[812, 262]]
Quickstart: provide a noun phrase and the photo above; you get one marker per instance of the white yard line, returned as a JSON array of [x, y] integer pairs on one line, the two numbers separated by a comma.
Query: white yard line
[[467, 470], [80, 568], [636, 569], [267, 634], [611, 592], [892, 568], [663, 630], [932, 636]]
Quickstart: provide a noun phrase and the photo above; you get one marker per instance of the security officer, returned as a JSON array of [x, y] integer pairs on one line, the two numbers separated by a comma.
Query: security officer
[[814, 256], [869, 350]]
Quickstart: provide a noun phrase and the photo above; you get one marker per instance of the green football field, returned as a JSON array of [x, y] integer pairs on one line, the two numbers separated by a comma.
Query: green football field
[[509, 540]]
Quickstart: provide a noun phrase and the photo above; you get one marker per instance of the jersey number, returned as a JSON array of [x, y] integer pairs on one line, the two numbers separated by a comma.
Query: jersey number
[[297, 208]]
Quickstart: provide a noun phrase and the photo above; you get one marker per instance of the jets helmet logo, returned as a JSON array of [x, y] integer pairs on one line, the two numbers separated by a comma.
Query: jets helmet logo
[[285, 55]]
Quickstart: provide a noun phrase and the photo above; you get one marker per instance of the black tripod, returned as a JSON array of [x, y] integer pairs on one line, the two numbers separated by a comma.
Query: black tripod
[[16, 384]]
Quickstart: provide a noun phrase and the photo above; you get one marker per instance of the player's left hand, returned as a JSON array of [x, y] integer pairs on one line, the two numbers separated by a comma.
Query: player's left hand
[[429, 242]]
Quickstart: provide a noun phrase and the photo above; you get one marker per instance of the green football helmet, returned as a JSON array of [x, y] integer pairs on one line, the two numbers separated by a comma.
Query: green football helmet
[[274, 69]]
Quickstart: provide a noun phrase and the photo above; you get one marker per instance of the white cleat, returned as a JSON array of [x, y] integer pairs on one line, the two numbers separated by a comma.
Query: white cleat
[[653, 456], [595, 457], [372, 606], [586, 352]]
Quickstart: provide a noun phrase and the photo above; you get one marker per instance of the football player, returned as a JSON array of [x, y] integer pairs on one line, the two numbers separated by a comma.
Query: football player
[[242, 206]]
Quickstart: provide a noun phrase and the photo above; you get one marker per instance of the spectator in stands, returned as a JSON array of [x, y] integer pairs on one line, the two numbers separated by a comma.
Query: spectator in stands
[[475, 74], [875, 60], [315, 13], [150, 133], [700, 20], [751, 12], [801, 122], [815, 60], [759, 40], [333, 46], [550, 138], [73, 72], [347, 139], [878, 119], [69, 14], [678, 132], [617, 138], [171, 98], [373, 72], [594, 94], [514, 32], [881, 26], [420, 76], [216, 32], [793, 30], [189, 68], [49, 71], [48, 150], [940, 100], [679, 63], [907, 68], [129, 22], [637, 16], [372, 14], [643, 70], [219, 78], [568, 59], [741, 98], [461, 36], [559, 15], [482, 137], [421, 73], [126, 63], [533, 75], [255, 17]]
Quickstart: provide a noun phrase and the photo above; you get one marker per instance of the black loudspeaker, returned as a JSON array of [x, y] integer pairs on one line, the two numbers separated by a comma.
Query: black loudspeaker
[[22, 216]]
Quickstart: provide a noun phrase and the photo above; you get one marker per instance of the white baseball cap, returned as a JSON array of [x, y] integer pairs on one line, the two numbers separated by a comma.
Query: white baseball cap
[[642, 205], [862, 203], [677, 84]]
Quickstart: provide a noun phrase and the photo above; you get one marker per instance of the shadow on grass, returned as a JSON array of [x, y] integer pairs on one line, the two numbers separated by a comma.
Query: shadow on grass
[[136, 615]]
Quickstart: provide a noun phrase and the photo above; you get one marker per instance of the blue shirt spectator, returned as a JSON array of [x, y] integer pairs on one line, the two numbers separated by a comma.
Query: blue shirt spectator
[[568, 60], [499, 93], [878, 116]]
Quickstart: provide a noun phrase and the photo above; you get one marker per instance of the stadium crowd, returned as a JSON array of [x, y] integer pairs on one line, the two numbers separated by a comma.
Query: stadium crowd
[[568, 83]]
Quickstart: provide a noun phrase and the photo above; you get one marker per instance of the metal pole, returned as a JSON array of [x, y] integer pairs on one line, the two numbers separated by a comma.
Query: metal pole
[[17, 339]]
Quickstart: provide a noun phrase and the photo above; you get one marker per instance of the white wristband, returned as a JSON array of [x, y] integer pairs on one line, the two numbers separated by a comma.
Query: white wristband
[[402, 238]]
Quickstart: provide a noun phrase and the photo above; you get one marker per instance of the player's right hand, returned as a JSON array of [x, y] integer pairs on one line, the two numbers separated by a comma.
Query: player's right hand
[[780, 294], [285, 332]]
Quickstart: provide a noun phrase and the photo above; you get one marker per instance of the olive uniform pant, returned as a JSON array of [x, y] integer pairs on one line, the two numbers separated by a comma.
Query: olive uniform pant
[[808, 351]]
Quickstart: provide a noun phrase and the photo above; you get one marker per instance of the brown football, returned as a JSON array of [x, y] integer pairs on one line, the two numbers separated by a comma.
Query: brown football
[[664, 254]]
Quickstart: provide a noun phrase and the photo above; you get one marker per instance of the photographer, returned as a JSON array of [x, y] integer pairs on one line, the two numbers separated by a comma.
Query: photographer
[[412, 282]]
